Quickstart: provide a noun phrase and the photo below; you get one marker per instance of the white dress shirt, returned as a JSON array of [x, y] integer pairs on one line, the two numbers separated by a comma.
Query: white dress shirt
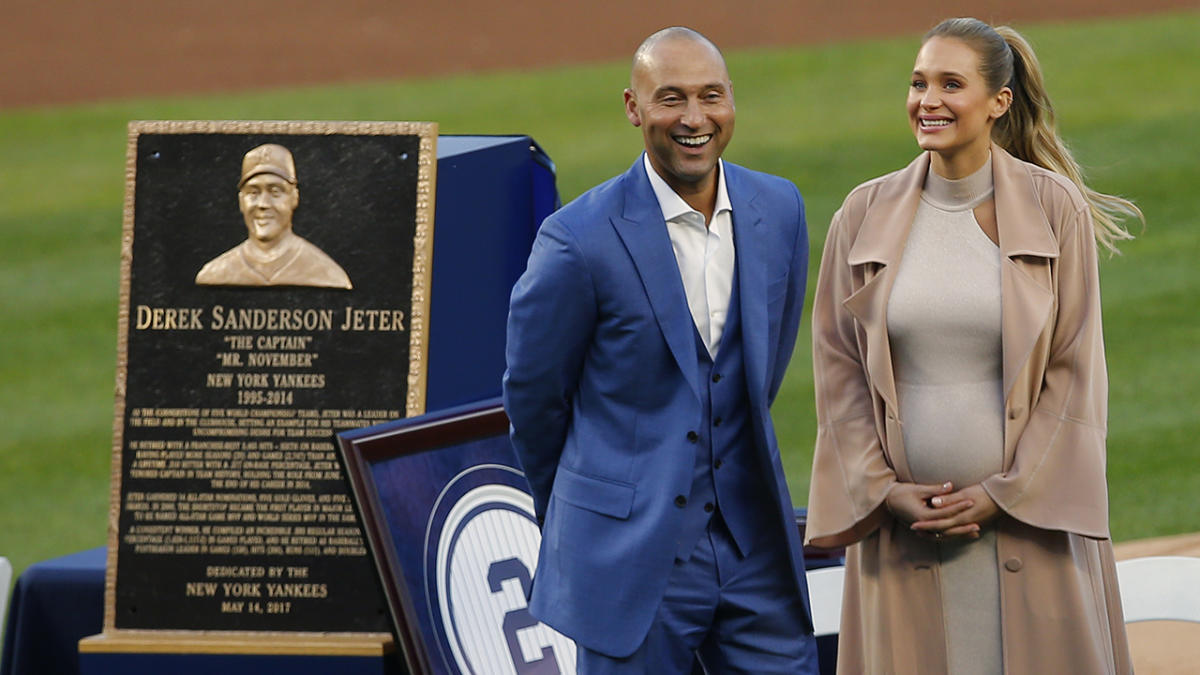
[[703, 252]]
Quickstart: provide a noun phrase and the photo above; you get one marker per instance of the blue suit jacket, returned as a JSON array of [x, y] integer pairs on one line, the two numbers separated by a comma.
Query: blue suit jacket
[[602, 389]]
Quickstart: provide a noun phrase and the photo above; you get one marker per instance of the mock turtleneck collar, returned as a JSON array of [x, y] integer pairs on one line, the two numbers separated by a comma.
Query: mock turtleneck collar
[[964, 193]]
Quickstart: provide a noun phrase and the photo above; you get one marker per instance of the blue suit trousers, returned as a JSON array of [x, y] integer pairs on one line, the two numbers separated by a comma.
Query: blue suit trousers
[[735, 614]]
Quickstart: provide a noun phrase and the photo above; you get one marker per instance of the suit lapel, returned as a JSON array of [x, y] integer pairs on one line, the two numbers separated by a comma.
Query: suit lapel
[[880, 241], [644, 233], [752, 282], [1027, 242]]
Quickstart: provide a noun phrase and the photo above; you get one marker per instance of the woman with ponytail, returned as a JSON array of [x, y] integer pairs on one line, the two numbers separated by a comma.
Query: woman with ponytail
[[961, 385]]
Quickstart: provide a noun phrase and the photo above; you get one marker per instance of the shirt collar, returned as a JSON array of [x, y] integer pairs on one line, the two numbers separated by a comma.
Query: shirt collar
[[672, 204]]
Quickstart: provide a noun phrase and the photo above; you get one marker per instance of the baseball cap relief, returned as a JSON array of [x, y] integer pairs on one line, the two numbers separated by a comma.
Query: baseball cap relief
[[268, 158]]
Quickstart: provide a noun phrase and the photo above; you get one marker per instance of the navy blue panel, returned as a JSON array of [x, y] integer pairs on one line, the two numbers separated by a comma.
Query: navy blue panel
[[492, 194], [55, 603], [449, 146]]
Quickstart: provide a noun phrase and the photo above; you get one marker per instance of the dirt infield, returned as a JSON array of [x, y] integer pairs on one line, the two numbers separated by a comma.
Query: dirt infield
[[64, 51]]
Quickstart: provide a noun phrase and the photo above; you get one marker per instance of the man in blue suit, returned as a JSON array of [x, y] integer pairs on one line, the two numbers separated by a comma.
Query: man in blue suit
[[647, 339]]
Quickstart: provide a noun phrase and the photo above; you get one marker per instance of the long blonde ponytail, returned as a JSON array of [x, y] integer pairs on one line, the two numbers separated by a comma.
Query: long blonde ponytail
[[1028, 130]]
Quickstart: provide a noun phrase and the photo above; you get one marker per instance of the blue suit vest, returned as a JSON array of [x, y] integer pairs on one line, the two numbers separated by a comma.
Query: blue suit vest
[[727, 478]]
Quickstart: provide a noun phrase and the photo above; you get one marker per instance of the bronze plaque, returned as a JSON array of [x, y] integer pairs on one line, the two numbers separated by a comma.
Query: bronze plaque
[[274, 291]]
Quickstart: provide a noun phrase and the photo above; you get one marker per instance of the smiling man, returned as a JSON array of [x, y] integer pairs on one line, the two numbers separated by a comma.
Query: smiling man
[[272, 254], [647, 339]]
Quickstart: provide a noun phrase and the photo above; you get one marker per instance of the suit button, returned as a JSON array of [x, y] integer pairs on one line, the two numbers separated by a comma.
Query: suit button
[[1015, 412], [718, 464], [708, 508], [717, 421], [681, 501], [716, 377], [693, 436], [1013, 564]]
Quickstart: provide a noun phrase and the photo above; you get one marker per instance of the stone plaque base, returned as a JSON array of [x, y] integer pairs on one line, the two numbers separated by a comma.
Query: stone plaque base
[[185, 652]]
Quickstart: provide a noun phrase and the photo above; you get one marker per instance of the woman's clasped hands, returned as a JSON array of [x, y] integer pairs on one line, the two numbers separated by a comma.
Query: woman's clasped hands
[[939, 512]]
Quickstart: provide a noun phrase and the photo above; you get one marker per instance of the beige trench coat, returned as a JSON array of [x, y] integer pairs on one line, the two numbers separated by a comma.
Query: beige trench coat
[[1060, 607]]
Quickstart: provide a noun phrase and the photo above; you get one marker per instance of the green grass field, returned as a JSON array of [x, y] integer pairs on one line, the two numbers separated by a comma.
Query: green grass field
[[826, 117]]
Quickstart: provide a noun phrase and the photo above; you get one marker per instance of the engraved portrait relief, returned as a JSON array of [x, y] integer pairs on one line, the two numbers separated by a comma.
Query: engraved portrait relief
[[273, 254]]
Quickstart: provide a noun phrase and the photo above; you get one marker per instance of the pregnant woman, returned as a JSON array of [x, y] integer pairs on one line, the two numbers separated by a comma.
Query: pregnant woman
[[961, 387]]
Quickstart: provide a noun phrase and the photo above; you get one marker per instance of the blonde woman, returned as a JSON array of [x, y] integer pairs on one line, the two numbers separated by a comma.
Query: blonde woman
[[961, 387]]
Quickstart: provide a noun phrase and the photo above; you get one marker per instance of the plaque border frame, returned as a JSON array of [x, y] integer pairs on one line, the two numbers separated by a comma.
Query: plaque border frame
[[422, 281]]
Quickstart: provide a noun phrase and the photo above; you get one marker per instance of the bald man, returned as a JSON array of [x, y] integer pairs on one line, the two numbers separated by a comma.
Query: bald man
[[647, 339]]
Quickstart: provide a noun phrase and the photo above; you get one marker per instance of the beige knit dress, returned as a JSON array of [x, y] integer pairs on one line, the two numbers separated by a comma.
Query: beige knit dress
[[943, 319]]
